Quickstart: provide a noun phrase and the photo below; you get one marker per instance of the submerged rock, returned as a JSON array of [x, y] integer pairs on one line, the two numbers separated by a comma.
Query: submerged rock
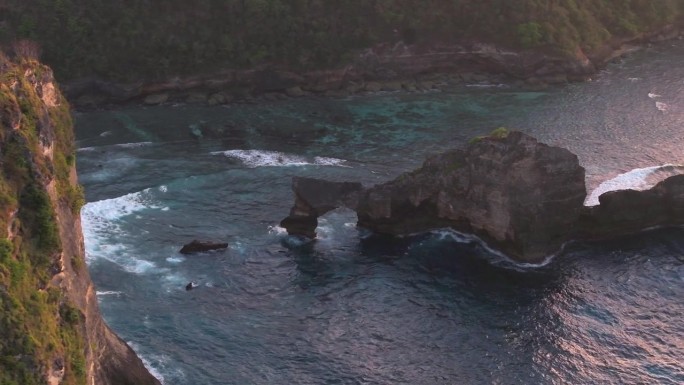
[[202, 246]]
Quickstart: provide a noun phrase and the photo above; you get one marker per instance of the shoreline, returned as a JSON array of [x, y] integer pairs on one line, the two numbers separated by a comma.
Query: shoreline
[[383, 68]]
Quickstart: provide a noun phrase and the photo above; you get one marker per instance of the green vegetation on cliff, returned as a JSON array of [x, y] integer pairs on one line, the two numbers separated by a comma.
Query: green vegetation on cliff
[[158, 39], [41, 331]]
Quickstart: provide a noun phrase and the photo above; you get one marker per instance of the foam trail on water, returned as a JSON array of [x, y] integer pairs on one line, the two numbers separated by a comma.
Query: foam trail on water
[[119, 145], [259, 158], [133, 145], [638, 179], [496, 257], [100, 222], [662, 106]]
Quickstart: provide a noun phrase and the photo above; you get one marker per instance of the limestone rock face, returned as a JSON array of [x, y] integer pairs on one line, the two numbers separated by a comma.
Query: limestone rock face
[[39, 216], [313, 198], [522, 196]]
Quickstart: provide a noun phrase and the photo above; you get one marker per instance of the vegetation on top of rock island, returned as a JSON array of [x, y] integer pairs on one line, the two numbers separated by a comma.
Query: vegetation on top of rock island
[[154, 40], [40, 332], [498, 133]]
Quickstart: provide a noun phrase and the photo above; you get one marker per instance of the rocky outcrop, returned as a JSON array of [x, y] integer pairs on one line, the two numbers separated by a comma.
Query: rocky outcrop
[[629, 211], [53, 332], [202, 246], [313, 198], [512, 191], [523, 198]]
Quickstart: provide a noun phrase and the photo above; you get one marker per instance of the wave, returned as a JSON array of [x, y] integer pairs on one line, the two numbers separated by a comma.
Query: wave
[[494, 256], [653, 95], [259, 158], [101, 229], [662, 106], [108, 292], [159, 365], [638, 179]]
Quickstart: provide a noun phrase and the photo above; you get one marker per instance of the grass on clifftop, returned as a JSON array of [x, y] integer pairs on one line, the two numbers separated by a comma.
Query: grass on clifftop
[[39, 328]]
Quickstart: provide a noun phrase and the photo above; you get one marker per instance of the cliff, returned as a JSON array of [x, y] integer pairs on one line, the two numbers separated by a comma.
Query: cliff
[[51, 330]]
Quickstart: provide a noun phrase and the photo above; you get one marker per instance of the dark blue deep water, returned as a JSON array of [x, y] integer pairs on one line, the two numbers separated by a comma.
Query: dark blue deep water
[[351, 308]]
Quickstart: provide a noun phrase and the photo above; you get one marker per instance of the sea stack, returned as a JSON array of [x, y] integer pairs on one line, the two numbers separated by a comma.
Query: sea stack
[[522, 197]]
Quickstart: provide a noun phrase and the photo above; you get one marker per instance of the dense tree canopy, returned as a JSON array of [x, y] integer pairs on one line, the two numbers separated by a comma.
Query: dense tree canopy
[[160, 38]]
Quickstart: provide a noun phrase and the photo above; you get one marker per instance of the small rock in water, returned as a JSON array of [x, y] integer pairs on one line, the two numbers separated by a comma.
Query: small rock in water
[[191, 286], [201, 246]]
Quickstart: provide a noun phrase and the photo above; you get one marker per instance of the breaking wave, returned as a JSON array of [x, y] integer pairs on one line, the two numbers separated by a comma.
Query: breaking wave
[[638, 179], [259, 158]]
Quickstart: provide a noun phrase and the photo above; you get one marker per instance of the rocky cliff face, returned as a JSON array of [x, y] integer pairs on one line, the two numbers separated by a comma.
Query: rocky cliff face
[[51, 330], [509, 189], [520, 196]]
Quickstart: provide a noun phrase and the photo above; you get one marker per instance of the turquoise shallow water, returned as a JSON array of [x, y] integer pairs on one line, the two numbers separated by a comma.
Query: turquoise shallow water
[[352, 308]]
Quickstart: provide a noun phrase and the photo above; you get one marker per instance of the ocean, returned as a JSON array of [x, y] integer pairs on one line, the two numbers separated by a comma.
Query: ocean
[[354, 308]]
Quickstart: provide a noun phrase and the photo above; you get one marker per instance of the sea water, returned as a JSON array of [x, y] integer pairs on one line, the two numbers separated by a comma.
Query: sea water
[[355, 308]]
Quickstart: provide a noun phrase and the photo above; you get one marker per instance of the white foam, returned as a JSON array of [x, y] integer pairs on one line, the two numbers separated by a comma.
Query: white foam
[[496, 257], [259, 158], [653, 95], [323, 161], [633, 79], [175, 259], [108, 292], [662, 106], [100, 222], [277, 230], [161, 363], [638, 179]]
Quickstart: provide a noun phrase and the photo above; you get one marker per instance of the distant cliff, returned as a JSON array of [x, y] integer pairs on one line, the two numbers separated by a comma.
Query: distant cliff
[[323, 45], [51, 331]]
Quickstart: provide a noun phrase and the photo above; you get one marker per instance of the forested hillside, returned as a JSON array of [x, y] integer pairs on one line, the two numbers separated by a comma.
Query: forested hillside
[[124, 40]]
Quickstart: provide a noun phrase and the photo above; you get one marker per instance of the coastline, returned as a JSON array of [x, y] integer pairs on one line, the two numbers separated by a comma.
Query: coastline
[[382, 68]]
